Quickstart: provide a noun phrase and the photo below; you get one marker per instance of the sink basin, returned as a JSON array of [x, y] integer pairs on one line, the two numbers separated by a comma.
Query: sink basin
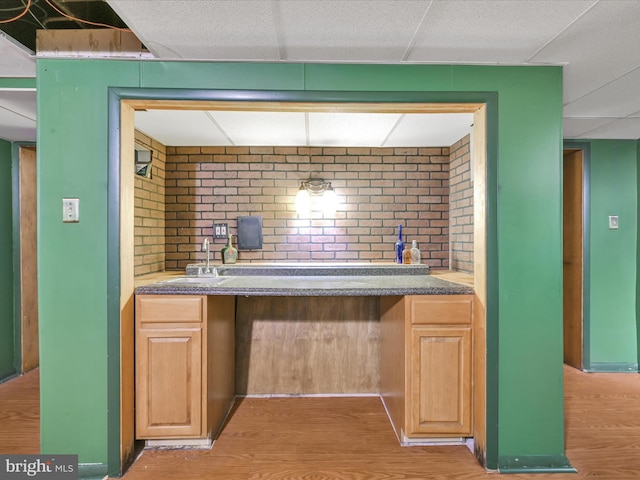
[[204, 280]]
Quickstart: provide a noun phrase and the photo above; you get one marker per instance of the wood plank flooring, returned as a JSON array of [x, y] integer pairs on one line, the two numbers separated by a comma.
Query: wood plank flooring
[[351, 439], [20, 414]]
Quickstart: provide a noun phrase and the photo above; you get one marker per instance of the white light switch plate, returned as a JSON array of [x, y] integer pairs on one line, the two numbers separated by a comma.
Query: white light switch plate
[[613, 222], [70, 210]]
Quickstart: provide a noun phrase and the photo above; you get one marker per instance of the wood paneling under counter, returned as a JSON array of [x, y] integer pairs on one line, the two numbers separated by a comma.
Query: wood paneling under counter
[[307, 345]]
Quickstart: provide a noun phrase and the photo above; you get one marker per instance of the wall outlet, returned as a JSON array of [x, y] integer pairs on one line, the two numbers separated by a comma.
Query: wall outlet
[[70, 210], [613, 222], [220, 230]]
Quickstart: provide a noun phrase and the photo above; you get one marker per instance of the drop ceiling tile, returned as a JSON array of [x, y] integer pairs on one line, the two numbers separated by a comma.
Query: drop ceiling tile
[[15, 127], [350, 129], [619, 98], [180, 128], [263, 128], [577, 127], [15, 61], [202, 29], [195, 128], [20, 102], [623, 129], [491, 31], [415, 130], [599, 47], [327, 30]]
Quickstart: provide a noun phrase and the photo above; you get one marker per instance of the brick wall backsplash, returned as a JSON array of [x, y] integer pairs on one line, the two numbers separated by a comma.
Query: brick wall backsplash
[[378, 189], [461, 206], [149, 211]]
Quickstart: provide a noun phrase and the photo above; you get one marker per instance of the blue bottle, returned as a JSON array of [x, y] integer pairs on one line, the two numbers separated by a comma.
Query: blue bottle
[[399, 245]]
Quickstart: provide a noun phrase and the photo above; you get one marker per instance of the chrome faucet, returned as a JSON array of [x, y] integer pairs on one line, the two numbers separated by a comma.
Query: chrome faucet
[[205, 247]]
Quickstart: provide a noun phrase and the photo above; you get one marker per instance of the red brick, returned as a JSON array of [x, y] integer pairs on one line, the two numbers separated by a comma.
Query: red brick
[[187, 150], [271, 181], [211, 150]]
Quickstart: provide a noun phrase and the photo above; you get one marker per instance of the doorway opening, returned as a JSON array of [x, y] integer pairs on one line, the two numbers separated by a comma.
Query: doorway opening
[[125, 212], [575, 261], [26, 259]]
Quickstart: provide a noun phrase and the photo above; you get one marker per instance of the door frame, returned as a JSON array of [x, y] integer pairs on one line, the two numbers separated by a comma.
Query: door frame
[[16, 147], [122, 102], [585, 148]]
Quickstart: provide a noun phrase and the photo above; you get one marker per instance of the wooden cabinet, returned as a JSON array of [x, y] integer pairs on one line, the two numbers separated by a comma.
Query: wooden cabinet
[[426, 365], [169, 382], [184, 365], [440, 386]]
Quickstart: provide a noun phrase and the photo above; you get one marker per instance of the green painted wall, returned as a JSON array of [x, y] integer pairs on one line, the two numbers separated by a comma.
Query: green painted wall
[[72, 141], [17, 82], [7, 351], [638, 262], [72, 263], [530, 400], [613, 180]]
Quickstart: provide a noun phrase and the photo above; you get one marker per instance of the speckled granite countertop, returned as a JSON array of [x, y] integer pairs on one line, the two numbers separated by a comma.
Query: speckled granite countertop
[[304, 269], [310, 280]]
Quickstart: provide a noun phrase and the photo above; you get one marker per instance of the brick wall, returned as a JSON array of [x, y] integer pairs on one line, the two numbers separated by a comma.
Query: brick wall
[[149, 211], [461, 211], [378, 189]]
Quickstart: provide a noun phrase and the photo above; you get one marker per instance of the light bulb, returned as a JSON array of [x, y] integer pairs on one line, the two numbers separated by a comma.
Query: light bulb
[[303, 201], [329, 201]]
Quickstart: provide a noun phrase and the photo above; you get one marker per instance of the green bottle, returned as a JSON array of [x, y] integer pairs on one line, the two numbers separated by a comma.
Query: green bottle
[[229, 252]]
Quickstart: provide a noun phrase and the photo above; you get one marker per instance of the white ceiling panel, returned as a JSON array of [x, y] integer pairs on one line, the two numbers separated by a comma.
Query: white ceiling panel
[[596, 41], [18, 115], [599, 47], [202, 29], [443, 129], [263, 128], [491, 31], [350, 129], [328, 30], [180, 127], [21, 102], [14, 60], [607, 101], [580, 127], [626, 128], [15, 127], [195, 128]]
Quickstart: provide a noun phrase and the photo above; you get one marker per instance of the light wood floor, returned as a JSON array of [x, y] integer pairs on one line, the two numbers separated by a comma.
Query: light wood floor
[[20, 414], [351, 438]]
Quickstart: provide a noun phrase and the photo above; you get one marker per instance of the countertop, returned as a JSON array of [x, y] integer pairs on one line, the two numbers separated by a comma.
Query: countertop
[[306, 280]]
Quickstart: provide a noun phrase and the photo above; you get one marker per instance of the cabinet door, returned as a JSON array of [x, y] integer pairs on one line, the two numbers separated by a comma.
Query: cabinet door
[[440, 382], [169, 382]]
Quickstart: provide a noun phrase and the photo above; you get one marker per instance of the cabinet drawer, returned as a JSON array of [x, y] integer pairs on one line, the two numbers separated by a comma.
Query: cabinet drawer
[[440, 309], [170, 308]]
